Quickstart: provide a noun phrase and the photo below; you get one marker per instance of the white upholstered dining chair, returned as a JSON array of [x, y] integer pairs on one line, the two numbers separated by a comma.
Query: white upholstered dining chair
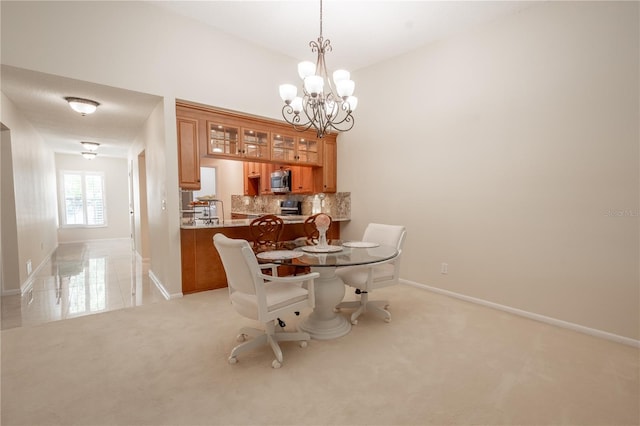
[[377, 275], [261, 297]]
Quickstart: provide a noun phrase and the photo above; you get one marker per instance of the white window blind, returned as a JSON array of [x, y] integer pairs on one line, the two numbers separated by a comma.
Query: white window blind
[[82, 199]]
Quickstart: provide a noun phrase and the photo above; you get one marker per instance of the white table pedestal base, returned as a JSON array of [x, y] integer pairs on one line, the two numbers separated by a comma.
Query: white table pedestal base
[[323, 323]]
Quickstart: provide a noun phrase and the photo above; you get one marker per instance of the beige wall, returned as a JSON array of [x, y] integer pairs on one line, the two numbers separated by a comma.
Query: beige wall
[[117, 199], [229, 180], [503, 150], [34, 179]]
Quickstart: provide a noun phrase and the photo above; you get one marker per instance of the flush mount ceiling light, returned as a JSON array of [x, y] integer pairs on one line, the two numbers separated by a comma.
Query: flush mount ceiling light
[[90, 146], [322, 106], [89, 155], [83, 106]]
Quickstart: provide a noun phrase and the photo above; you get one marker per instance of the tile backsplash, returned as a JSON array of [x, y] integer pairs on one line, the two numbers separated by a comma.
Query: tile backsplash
[[336, 205]]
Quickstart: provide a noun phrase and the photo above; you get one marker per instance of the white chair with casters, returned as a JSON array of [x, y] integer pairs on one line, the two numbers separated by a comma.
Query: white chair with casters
[[377, 275], [261, 297]]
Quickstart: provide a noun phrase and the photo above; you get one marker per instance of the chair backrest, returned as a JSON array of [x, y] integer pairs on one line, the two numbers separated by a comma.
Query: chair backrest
[[390, 235], [310, 229], [239, 262], [266, 231]]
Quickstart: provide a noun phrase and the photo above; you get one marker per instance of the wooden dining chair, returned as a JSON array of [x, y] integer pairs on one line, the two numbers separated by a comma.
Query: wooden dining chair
[[266, 231], [310, 229]]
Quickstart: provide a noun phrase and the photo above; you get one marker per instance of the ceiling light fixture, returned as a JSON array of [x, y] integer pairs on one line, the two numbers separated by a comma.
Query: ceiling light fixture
[[90, 146], [89, 155], [323, 107], [83, 106]]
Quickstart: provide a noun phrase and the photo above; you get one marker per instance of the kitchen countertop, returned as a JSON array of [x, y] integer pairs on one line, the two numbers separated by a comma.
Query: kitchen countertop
[[230, 223]]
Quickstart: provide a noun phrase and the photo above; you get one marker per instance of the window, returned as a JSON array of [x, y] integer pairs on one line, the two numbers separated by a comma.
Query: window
[[82, 199]]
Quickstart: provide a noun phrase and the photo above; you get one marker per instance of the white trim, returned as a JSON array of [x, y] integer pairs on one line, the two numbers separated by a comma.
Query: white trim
[[95, 240], [161, 287], [28, 283], [12, 292], [542, 318]]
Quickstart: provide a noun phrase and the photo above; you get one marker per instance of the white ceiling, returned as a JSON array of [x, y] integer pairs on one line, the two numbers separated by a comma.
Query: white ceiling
[[40, 98], [362, 33]]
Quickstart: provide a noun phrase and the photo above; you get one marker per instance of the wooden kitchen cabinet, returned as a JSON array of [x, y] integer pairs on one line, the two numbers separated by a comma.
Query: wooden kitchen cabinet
[[301, 180], [207, 131], [265, 177], [237, 139], [188, 153], [252, 178], [330, 166], [223, 139], [255, 143], [291, 148], [201, 264]]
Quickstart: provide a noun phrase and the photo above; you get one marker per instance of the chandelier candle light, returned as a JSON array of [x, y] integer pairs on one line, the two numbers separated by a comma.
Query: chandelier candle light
[[322, 106]]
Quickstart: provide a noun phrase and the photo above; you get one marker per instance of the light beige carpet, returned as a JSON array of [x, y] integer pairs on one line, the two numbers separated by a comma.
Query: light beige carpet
[[440, 361]]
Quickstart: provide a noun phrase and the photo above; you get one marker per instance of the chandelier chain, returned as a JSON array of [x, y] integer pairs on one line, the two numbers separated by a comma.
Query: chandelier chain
[[321, 19]]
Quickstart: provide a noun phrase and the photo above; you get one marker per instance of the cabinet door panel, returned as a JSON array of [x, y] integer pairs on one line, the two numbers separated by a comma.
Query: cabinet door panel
[[283, 148], [188, 153], [223, 139], [307, 151], [329, 166], [265, 177], [255, 143], [301, 180]]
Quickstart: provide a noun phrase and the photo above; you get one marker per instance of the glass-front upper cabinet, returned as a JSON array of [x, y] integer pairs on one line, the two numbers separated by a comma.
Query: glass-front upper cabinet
[[308, 151], [283, 148], [294, 149], [236, 141], [255, 143], [223, 139]]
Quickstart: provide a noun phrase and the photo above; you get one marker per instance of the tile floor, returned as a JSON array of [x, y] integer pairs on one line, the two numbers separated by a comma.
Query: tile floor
[[82, 279]]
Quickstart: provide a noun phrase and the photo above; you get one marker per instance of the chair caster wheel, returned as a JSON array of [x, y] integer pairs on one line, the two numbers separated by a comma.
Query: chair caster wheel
[[233, 360], [387, 320], [303, 344], [276, 364], [281, 323], [354, 322], [241, 337]]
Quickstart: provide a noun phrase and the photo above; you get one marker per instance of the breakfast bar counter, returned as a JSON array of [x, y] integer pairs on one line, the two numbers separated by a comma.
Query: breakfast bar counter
[[201, 265]]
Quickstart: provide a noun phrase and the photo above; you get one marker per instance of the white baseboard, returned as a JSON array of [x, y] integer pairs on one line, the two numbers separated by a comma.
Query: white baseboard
[[162, 288], [95, 240], [28, 283], [542, 318]]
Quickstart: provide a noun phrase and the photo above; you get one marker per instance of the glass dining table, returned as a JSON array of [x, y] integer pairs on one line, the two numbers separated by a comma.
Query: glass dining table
[[324, 323]]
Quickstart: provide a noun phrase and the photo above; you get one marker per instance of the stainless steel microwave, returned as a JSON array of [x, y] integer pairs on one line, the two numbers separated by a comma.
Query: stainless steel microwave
[[281, 181]]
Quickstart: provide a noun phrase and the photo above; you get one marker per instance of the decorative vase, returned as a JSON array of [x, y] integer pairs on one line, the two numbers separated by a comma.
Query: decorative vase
[[322, 238]]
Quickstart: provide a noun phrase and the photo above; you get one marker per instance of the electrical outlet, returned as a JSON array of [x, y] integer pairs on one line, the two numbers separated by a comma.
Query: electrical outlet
[[29, 267], [444, 268]]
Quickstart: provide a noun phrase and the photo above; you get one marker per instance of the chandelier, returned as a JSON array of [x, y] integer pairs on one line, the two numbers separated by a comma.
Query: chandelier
[[324, 106]]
